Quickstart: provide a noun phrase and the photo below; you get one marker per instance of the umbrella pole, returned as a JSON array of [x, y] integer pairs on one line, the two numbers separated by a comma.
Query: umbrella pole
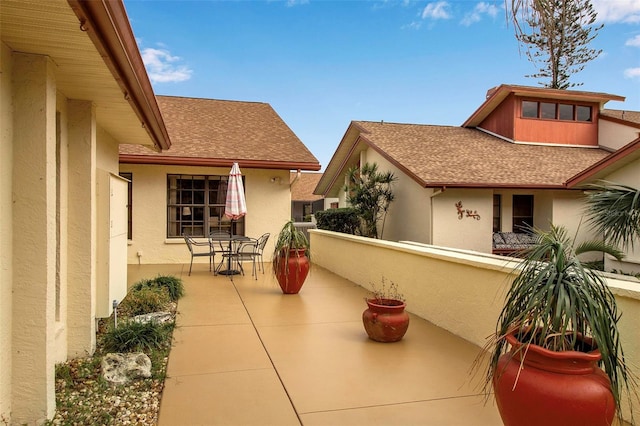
[[229, 271]]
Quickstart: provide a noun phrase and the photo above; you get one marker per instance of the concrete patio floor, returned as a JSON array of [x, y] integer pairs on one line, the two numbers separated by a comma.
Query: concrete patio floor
[[245, 354]]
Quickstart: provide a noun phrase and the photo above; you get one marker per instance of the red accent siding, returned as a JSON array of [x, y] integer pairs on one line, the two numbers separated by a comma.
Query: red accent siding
[[505, 120], [501, 120]]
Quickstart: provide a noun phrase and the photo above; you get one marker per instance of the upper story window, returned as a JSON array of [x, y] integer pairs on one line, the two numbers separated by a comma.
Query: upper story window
[[556, 111]]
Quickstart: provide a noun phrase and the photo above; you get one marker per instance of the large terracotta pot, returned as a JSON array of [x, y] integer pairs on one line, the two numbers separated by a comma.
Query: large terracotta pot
[[553, 388], [385, 320], [291, 274]]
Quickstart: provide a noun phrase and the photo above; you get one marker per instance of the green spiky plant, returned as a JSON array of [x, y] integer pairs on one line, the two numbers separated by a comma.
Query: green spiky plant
[[554, 299], [289, 238], [614, 210]]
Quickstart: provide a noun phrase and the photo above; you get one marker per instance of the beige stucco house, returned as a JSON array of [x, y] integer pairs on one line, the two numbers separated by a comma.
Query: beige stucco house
[[303, 201], [72, 88], [183, 189], [621, 167], [513, 162]]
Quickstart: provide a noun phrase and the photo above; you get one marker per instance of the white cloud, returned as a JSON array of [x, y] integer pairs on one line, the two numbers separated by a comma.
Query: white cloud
[[162, 67], [415, 25], [437, 10], [632, 73], [292, 3], [627, 11], [476, 15], [635, 41]]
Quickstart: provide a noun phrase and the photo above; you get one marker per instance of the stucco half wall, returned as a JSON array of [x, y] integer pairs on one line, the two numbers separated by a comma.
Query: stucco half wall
[[458, 290]]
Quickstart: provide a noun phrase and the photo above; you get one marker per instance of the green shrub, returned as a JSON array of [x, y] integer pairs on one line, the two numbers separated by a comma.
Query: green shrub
[[144, 301], [173, 285], [343, 220], [132, 336]]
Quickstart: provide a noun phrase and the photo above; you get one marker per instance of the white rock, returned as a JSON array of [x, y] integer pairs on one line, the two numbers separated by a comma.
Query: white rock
[[120, 368]]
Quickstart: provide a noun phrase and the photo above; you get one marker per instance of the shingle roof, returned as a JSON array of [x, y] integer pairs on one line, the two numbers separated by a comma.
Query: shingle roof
[[251, 133], [632, 116], [456, 156], [302, 189]]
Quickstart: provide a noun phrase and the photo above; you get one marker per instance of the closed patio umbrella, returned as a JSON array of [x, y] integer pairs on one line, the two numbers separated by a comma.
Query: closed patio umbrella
[[235, 205]]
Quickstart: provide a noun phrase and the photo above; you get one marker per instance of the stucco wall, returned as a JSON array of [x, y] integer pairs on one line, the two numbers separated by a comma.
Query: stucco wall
[[569, 210], [460, 291], [409, 215], [268, 209], [628, 175], [6, 229], [614, 135], [34, 214], [467, 232]]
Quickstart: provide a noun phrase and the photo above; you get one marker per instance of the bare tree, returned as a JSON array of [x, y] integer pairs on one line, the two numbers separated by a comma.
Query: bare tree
[[556, 34]]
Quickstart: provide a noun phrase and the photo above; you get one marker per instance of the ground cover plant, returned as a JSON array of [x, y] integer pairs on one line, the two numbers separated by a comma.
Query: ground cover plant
[[84, 397]]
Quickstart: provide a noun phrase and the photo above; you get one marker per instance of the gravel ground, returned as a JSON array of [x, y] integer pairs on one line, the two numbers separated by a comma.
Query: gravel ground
[[84, 397], [88, 399]]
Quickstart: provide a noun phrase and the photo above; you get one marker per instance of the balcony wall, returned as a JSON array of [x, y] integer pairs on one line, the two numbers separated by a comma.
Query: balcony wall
[[460, 291]]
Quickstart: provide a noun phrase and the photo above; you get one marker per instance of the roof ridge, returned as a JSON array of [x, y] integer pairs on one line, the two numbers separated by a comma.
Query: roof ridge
[[408, 124], [211, 99]]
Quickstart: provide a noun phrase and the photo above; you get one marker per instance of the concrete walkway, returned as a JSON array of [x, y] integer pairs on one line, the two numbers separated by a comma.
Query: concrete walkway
[[245, 354]]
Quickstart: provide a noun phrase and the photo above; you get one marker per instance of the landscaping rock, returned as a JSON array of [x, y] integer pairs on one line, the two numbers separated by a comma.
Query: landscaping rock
[[120, 368], [157, 317]]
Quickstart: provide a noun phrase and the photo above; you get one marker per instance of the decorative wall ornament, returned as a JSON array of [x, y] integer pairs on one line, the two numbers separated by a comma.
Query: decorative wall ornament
[[466, 213]]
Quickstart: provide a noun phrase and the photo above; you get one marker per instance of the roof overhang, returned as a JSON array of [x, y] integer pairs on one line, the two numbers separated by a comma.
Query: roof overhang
[[346, 155], [616, 160], [498, 94], [96, 59], [216, 162]]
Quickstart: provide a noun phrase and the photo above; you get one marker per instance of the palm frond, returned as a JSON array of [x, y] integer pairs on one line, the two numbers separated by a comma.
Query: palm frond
[[554, 300], [614, 210]]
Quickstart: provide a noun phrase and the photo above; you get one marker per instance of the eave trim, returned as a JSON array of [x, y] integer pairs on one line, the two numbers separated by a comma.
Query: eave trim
[[108, 27], [216, 162]]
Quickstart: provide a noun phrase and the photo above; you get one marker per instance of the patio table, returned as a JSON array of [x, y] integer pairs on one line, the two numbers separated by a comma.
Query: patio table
[[227, 250]]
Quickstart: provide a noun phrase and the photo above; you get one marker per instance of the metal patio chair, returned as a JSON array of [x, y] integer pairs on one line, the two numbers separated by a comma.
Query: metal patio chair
[[262, 242], [200, 249]]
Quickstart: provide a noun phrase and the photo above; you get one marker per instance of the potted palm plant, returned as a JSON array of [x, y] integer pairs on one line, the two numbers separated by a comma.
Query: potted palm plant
[[556, 358], [291, 258]]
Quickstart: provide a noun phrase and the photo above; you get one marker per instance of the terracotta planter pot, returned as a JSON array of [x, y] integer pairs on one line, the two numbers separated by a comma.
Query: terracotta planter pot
[[385, 320], [553, 388], [291, 274]]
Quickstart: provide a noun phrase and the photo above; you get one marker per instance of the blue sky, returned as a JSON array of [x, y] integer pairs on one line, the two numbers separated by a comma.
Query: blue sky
[[321, 64]]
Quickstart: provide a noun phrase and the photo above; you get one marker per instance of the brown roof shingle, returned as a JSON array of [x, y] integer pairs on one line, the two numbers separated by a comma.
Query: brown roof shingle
[[251, 133], [302, 189], [456, 156], [631, 116]]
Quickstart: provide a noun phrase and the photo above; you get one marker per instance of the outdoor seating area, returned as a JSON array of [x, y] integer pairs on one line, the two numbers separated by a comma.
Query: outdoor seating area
[[234, 250], [509, 243], [244, 353]]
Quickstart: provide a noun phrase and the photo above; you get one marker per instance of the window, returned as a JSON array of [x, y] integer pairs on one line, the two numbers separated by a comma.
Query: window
[[529, 109], [129, 177], [555, 111], [497, 201], [583, 113], [522, 212], [566, 112], [195, 206], [547, 110]]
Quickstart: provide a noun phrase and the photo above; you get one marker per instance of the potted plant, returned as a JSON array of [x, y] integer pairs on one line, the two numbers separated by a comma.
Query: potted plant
[[385, 319], [556, 334], [291, 258]]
